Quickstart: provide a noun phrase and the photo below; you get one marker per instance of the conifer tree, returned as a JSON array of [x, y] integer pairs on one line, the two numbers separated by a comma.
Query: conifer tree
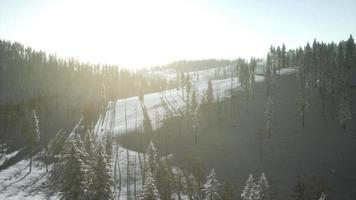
[[149, 189], [265, 192], [349, 51], [73, 183], [210, 92], [196, 123], [33, 136], [210, 188], [251, 190], [108, 146], [344, 109], [322, 196], [102, 180], [152, 159]]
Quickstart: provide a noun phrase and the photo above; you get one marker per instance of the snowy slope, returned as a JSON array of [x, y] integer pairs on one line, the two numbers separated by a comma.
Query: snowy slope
[[174, 97]]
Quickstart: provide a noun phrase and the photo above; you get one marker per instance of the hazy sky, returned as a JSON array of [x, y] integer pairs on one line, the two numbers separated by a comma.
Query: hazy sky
[[149, 32]]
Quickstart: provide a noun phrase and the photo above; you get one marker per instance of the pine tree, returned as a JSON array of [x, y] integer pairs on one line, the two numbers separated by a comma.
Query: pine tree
[[265, 192], [322, 196], [251, 190], [89, 161], [152, 159], [108, 146], [349, 51], [102, 180], [73, 184], [210, 188], [210, 92], [149, 190], [34, 136], [196, 123], [344, 109]]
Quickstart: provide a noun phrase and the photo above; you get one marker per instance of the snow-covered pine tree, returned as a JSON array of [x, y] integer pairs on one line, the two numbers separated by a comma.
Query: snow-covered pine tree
[[251, 190], [152, 159], [33, 136], [73, 184], [149, 189], [108, 146], [89, 148], [102, 180], [322, 196], [265, 191], [89, 161], [210, 188]]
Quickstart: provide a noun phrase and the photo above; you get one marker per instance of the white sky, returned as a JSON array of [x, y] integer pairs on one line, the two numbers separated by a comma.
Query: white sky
[[133, 33]]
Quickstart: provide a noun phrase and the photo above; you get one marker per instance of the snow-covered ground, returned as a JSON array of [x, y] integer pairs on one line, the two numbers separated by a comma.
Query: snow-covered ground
[[5, 157], [17, 183], [173, 97]]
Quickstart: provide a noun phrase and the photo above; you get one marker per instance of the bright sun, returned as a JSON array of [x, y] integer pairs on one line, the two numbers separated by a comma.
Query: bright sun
[[136, 33]]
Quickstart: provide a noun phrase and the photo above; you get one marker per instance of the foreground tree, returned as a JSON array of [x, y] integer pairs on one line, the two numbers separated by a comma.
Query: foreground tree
[[73, 184], [210, 188], [152, 160], [149, 189], [210, 92], [251, 190], [33, 136], [102, 180], [265, 192]]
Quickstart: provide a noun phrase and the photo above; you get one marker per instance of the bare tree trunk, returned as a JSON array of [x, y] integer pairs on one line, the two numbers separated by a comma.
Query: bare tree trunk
[[134, 173], [31, 154], [128, 175], [115, 169], [127, 161]]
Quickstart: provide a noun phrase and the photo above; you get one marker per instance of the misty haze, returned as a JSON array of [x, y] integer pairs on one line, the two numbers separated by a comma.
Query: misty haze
[[177, 100]]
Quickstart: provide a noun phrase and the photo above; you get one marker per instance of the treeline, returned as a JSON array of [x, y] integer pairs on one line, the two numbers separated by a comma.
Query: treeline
[[325, 69], [195, 65], [26, 73], [59, 89]]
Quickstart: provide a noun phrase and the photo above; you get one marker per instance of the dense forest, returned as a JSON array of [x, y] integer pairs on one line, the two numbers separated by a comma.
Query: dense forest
[[60, 90]]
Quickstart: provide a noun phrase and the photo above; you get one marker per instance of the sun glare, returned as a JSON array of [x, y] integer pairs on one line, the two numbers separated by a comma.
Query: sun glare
[[136, 33]]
